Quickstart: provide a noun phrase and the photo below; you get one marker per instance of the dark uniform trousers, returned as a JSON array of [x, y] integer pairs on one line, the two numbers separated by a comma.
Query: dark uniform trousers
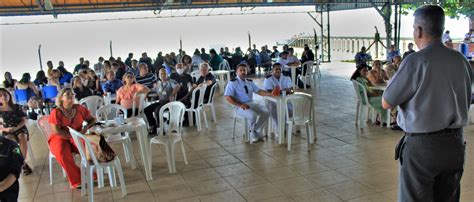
[[431, 165]]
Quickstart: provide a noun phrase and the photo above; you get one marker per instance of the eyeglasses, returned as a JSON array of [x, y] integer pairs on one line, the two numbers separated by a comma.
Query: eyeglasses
[[246, 90]]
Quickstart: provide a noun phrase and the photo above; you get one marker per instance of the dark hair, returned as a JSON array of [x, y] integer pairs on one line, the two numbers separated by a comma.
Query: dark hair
[[25, 78], [62, 70], [5, 92], [203, 50], [186, 56], [107, 62], [212, 51], [241, 65], [431, 19], [276, 64], [357, 74], [115, 64], [40, 75], [196, 52]]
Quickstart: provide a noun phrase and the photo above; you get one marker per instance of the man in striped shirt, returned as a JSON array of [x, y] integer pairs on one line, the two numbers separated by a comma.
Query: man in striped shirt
[[146, 78]]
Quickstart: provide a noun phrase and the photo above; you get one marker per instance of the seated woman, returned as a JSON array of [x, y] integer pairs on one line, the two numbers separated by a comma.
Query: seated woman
[[80, 90], [25, 83], [375, 97], [53, 80], [377, 75], [13, 126], [41, 79], [93, 82], [67, 114], [126, 93], [9, 83], [390, 70]]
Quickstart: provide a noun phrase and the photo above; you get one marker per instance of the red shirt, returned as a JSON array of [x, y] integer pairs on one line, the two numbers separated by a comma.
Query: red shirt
[[58, 118]]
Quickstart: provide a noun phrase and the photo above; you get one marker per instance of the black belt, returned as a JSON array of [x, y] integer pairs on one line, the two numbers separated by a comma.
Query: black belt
[[439, 132]]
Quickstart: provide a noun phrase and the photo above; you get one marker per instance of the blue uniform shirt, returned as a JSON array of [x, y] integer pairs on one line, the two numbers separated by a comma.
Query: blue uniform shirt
[[241, 91]]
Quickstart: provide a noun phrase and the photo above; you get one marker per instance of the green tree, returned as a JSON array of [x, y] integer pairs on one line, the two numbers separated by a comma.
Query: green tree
[[452, 8]]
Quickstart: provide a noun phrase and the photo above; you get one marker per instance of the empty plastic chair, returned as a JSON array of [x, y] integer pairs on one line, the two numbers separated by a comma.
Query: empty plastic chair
[[50, 92], [210, 102], [307, 75], [21, 96], [108, 113], [173, 131], [224, 65], [92, 103], [301, 115], [88, 167], [197, 107]]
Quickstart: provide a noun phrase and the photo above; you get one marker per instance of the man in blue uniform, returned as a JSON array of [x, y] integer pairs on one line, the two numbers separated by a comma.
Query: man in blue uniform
[[11, 161], [239, 92]]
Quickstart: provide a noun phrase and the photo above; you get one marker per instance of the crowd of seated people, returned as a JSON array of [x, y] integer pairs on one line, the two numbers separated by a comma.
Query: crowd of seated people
[[167, 77]]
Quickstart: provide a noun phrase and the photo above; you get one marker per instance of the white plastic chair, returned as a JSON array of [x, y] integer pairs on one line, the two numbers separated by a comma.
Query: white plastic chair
[[316, 70], [210, 102], [302, 115], [362, 103], [246, 126], [224, 65], [307, 76], [92, 103], [197, 108], [174, 130], [88, 168], [113, 110], [195, 75], [45, 130]]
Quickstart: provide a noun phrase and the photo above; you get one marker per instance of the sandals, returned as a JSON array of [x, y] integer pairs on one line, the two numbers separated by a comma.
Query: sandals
[[26, 169]]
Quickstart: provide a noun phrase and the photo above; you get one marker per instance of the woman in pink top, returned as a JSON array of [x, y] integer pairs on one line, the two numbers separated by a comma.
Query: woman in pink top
[[128, 90]]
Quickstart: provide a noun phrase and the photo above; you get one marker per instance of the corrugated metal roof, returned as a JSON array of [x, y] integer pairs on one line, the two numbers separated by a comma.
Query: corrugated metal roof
[[41, 7]]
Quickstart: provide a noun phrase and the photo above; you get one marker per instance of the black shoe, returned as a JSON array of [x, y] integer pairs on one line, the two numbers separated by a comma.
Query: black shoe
[[396, 127]]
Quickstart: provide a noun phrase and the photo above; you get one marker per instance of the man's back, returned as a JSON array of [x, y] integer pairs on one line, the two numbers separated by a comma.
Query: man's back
[[436, 83]]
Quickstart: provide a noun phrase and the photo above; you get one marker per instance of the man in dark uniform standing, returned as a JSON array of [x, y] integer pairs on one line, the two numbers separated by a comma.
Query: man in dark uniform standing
[[11, 161], [432, 89]]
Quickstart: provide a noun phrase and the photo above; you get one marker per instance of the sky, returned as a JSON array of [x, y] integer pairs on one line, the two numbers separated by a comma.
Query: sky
[[69, 41]]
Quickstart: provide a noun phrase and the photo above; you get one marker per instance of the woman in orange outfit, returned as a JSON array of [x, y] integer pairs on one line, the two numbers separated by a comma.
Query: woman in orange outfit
[[60, 142]]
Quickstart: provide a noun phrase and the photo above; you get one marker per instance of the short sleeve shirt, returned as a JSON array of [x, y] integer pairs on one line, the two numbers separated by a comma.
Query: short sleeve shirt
[[271, 82], [165, 89], [57, 118], [241, 90], [284, 63], [126, 96], [432, 88]]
